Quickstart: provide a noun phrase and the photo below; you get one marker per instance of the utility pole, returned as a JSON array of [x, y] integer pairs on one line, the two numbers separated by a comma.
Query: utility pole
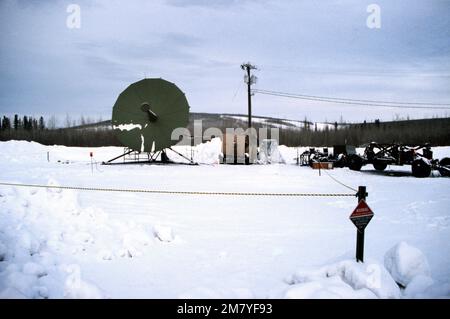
[[250, 80]]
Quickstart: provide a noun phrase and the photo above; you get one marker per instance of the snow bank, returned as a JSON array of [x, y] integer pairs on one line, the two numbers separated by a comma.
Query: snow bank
[[410, 269], [75, 288], [405, 262], [43, 232], [269, 153], [405, 274], [29, 153], [209, 152], [289, 154], [346, 279]]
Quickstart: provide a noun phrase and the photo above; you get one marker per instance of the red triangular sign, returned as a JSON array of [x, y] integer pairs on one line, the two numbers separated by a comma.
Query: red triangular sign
[[362, 210], [362, 215]]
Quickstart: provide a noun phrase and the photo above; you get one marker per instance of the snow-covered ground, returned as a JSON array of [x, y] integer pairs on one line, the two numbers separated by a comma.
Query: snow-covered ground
[[89, 244]]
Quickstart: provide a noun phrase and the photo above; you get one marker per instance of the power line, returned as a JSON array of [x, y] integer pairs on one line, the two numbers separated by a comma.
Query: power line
[[238, 89], [390, 104], [358, 72], [356, 100]]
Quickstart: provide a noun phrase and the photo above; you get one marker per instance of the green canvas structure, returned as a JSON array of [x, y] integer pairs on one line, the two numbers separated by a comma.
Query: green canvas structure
[[147, 112]]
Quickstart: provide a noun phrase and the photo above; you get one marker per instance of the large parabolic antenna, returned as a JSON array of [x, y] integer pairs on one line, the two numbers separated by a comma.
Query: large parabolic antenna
[[147, 112]]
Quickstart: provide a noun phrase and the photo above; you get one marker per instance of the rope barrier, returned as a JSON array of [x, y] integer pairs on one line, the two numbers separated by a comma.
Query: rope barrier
[[339, 182], [181, 192]]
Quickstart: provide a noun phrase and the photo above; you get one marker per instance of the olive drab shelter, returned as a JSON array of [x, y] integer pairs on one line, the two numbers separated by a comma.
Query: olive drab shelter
[[146, 113]]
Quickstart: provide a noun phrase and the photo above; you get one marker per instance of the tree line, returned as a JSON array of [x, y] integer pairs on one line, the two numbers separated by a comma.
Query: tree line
[[45, 132], [27, 123], [435, 131]]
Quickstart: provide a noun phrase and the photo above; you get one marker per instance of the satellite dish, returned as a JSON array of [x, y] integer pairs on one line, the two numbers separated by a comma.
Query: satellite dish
[[147, 112]]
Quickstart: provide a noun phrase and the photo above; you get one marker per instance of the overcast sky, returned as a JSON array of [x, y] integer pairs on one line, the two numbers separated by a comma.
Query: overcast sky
[[310, 47]]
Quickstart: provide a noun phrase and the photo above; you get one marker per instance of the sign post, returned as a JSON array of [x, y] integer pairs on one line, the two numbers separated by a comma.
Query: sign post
[[361, 217], [91, 154]]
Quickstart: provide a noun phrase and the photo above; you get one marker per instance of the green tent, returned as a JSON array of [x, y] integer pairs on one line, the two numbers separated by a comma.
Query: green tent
[[147, 112]]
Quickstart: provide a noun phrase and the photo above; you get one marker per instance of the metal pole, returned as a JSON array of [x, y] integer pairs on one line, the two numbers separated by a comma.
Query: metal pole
[[247, 67], [362, 194], [249, 95]]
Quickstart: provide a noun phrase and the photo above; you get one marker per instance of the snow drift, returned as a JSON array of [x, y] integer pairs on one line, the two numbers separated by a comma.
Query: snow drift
[[44, 231]]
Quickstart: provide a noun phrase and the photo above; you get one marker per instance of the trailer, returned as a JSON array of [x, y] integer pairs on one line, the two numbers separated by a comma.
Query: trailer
[[380, 156], [339, 157], [419, 157]]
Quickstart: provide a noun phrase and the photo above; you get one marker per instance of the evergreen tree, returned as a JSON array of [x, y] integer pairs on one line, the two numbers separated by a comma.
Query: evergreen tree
[[35, 124], [25, 122], [28, 123], [6, 123], [41, 123], [16, 122]]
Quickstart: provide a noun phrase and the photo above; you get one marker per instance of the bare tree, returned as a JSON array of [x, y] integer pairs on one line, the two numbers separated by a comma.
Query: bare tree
[[52, 122], [68, 121]]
